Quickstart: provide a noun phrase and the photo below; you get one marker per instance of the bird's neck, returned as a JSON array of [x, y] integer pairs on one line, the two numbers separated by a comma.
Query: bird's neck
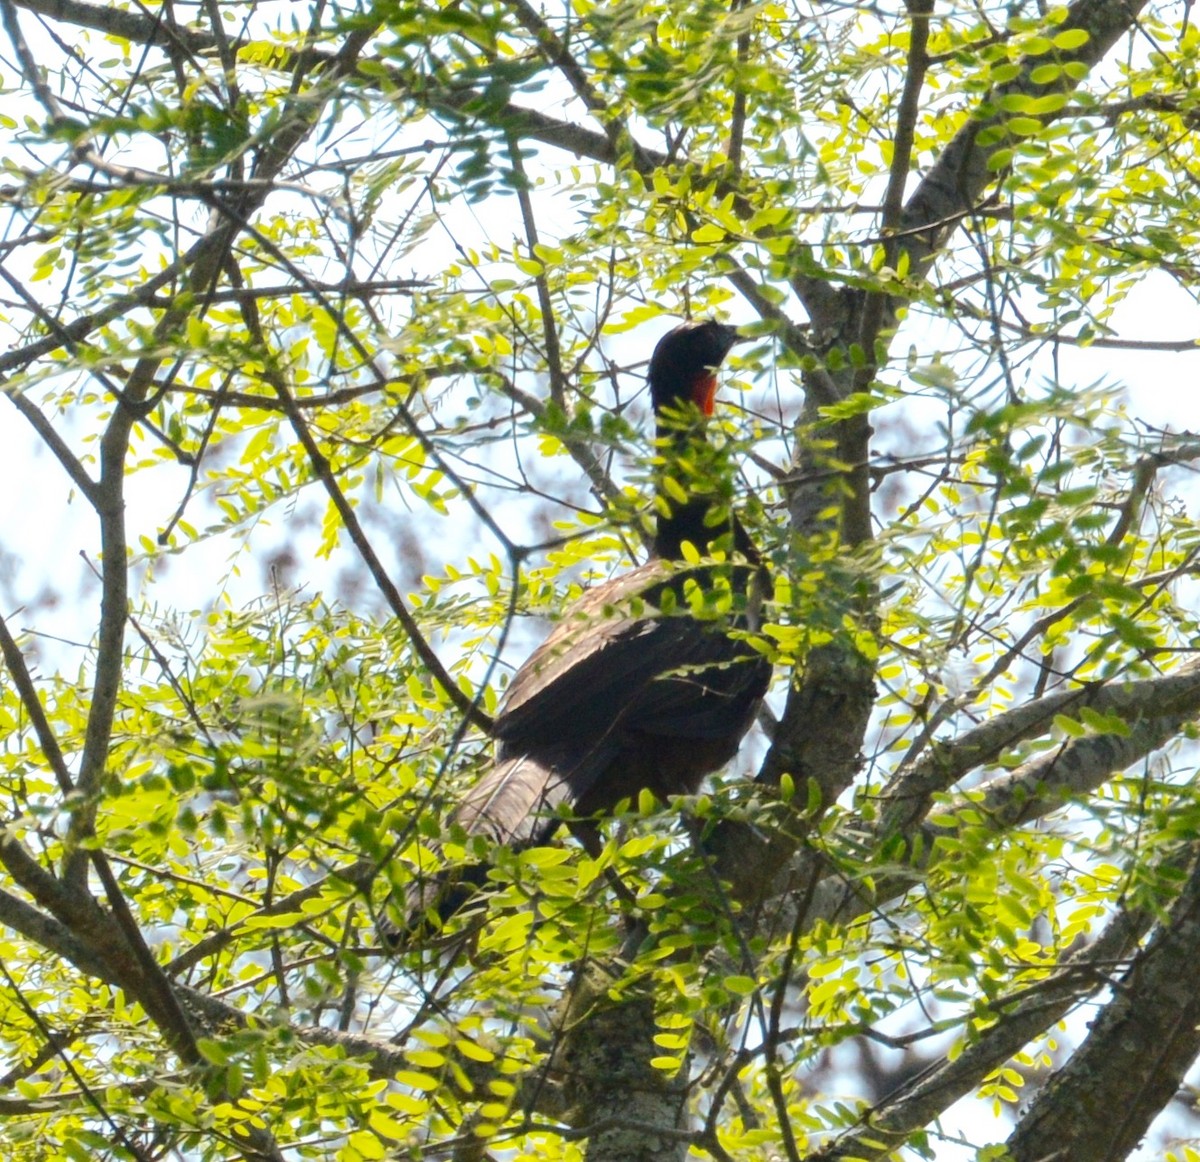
[[683, 522], [692, 520], [691, 523]]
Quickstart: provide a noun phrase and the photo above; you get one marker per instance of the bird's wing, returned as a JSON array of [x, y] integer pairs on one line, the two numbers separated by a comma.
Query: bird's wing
[[616, 661], [712, 691]]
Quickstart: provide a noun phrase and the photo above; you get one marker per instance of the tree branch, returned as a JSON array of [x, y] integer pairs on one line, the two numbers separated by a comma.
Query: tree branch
[[321, 466], [954, 185], [909, 793], [298, 117], [27, 692], [1022, 1016], [1148, 1033]]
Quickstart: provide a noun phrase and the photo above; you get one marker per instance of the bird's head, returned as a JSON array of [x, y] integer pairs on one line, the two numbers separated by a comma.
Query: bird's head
[[683, 368]]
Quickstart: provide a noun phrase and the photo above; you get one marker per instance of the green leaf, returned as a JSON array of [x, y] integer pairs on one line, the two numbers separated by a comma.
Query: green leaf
[[1071, 38]]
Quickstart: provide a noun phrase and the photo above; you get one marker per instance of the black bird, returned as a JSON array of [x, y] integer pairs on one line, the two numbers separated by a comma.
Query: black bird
[[640, 686]]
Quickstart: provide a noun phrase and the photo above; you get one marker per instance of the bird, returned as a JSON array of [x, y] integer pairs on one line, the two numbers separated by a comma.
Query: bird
[[640, 686]]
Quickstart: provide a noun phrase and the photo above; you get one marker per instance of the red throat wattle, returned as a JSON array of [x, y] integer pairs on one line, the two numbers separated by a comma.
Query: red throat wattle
[[704, 392]]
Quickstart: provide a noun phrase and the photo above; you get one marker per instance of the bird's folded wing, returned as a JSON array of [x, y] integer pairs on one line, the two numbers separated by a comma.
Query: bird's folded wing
[[617, 661]]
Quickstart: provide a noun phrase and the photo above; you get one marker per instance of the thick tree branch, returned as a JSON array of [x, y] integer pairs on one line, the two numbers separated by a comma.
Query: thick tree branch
[[52, 935], [907, 798], [954, 186], [609, 1076], [157, 996], [1031, 792], [92, 941], [1147, 1034], [1022, 1016], [1128, 513]]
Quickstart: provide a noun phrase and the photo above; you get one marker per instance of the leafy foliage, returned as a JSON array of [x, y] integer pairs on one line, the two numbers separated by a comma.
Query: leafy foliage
[[334, 331]]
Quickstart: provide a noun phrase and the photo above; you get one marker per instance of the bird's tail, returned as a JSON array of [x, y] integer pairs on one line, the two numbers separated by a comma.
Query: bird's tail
[[513, 805]]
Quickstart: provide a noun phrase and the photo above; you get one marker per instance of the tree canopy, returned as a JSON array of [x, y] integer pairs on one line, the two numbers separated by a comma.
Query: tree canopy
[[326, 336]]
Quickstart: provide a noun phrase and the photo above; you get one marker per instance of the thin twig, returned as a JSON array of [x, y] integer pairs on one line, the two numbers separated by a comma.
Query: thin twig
[[47, 740]]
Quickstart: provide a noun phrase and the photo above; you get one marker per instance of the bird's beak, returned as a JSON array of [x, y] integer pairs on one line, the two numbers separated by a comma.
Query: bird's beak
[[730, 336]]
